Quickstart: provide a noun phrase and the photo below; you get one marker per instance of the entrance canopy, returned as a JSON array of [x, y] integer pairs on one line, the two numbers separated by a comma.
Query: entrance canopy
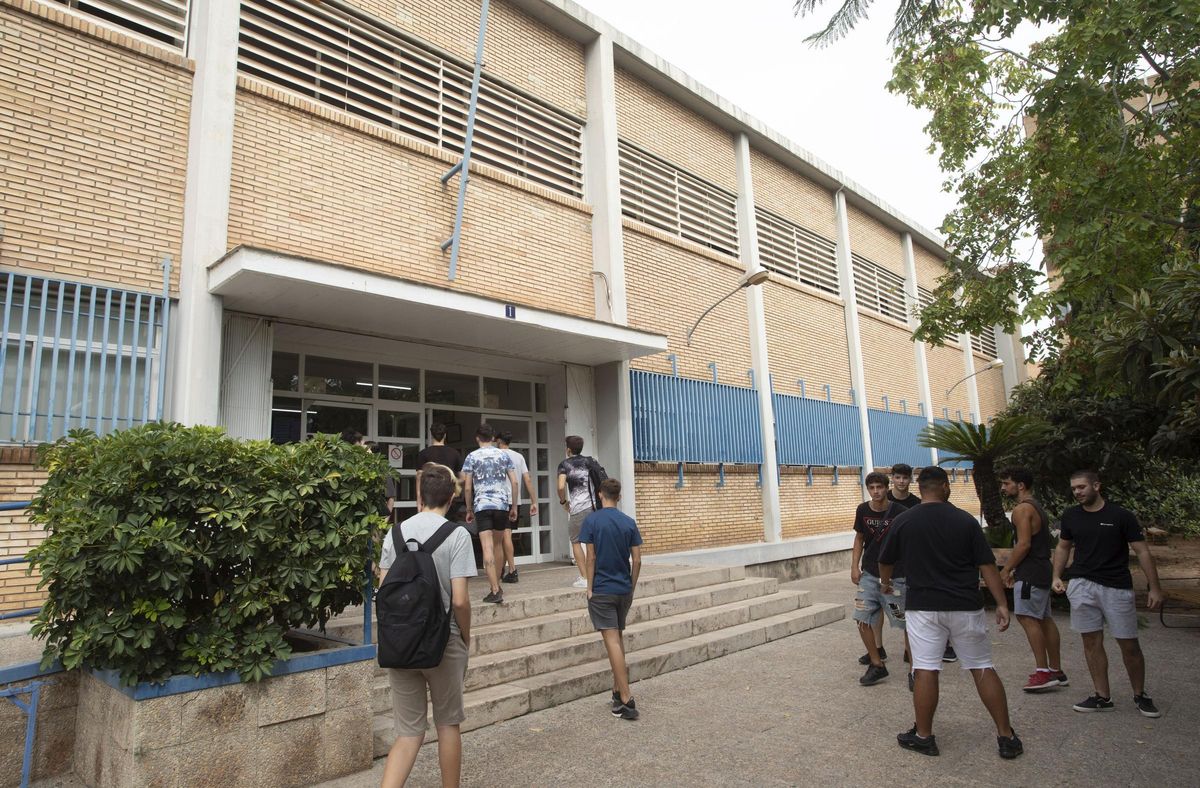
[[281, 286]]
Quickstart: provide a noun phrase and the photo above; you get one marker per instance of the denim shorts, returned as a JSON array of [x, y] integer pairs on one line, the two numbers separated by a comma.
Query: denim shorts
[[870, 601]]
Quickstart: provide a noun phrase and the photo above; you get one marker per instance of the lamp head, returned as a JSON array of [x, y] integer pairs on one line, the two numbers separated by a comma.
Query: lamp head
[[995, 363], [755, 278]]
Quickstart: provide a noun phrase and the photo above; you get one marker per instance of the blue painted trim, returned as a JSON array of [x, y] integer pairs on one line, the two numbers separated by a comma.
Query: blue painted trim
[[11, 506], [29, 611], [28, 670]]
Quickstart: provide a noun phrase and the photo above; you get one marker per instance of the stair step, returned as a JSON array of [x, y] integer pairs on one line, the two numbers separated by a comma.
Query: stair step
[[506, 701]]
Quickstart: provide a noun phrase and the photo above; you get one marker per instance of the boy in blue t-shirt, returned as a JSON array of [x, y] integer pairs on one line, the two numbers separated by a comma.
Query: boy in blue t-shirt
[[612, 561]]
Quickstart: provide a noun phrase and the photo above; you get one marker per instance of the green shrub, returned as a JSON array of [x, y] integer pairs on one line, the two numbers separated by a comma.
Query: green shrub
[[176, 549]]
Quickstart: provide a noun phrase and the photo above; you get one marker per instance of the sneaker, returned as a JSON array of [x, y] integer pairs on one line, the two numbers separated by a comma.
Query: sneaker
[[495, 597], [1039, 681], [949, 656], [579, 583], [865, 659], [626, 711], [1094, 703], [510, 577], [1146, 706], [1062, 678], [1010, 746], [616, 701], [909, 740], [874, 675]]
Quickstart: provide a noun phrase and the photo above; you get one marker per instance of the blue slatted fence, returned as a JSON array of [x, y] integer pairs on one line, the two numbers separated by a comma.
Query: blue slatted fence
[[816, 432], [894, 438], [683, 420]]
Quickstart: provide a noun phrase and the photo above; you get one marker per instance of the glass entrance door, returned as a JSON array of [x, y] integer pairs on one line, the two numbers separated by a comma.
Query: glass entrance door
[[531, 535]]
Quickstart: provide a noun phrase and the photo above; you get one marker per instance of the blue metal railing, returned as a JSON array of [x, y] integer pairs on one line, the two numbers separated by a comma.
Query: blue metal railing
[[12, 560], [678, 419], [894, 438], [816, 432]]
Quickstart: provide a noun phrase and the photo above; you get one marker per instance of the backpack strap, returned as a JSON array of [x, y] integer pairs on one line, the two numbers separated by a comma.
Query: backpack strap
[[439, 536]]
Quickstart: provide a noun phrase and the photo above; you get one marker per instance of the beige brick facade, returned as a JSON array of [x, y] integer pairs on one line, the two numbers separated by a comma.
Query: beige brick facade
[[889, 362], [820, 508], [669, 284], [89, 188], [990, 385], [929, 267], [945, 369], [518, 49], [662, 126], [699, 514], [792, 196], [301, 180], [869, 238], [806, 339], [19, 481]]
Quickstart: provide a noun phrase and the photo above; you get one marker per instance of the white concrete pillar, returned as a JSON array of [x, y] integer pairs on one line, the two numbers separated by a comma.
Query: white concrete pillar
[[853, 342], [246, 376], [614, 428], [1010, 350], [964, 341], [602, 181], [914, 300], [748, 246], [195, 364]]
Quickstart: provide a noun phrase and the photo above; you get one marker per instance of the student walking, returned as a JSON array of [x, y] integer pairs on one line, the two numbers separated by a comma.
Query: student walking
[[611, 564], [1101, 589], [454, 561], [872, 520], [900, 493], [1028, 573], [438, 452], [490, 489], [944, 552], [577, 496], [521, 468]]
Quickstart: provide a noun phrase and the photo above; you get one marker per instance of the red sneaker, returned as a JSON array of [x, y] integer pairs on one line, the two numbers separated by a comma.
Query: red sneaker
[[1040, 680]]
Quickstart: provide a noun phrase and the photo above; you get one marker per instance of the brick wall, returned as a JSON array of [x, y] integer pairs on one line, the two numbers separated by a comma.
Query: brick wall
[[963, 495], [990, 385], [945, 369], [806, 339], [869, 238], [312, 181], [664, 127], [19, 481], [792, 196], [93, 149], [823, 507], [929, 267], [669, 284], [889, 362], [700, 514], [518, 49]]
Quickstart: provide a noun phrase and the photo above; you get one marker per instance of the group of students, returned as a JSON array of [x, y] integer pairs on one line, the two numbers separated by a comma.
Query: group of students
[[482, 490], [918, 561]]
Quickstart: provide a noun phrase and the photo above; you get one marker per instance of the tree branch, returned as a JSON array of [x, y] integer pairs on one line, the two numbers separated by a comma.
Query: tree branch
[[1163, 76]]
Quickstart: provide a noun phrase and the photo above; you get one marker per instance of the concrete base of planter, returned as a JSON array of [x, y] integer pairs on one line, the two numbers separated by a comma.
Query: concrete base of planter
[[55, 735]]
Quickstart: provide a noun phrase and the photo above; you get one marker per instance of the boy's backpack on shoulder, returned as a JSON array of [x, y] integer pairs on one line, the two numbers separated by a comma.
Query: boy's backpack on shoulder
[[413, 624], [596, 474]]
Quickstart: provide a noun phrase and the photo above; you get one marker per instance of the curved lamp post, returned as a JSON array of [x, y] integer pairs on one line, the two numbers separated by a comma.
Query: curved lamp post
[[995, 363], [748, 280]]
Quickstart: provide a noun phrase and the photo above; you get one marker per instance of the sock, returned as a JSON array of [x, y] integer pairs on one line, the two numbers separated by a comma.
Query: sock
[[1044, 670]]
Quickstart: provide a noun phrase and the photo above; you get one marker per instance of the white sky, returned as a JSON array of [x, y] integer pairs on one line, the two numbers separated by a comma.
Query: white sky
[[830, 101]]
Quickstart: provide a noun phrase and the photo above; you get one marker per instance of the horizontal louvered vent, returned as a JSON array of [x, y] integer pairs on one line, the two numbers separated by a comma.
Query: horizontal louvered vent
[[985, 344], [878, 289], [792, 251], [161, 20]]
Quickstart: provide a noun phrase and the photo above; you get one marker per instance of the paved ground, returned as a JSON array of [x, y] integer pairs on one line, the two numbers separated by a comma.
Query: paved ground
[[792, 713]]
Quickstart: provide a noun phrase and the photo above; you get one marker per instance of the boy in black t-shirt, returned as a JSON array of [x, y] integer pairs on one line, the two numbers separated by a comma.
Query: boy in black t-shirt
[[1101, 588], [901, 479], [872, 520]]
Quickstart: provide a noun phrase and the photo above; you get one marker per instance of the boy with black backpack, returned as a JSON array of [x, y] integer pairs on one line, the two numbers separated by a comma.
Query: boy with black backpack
[[413, 637]]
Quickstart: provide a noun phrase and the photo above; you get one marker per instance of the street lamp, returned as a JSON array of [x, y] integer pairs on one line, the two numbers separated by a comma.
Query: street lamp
[[748, 280], [995, 363]]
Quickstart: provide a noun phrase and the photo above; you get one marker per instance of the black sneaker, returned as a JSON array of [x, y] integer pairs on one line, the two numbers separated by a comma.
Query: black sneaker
[[616, 701], [1146, 706], [865, 659], [510, 577], [949, 656], [874, 675], [1010, 746], [1094, 703], [626, 711], [495, 597], [909, 740], [1062, 678]]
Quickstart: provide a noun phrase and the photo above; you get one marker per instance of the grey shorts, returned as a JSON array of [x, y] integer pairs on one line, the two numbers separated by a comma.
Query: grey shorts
[[1094, 606], [445, 683], [1031, 601], [870, 601], [609, 611], [576, 523]]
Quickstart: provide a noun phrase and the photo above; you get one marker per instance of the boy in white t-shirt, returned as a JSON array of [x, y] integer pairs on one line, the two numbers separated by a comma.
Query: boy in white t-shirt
[[504, 440]]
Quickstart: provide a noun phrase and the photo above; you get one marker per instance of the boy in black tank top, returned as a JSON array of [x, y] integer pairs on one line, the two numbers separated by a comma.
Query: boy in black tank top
[[1029, 572]]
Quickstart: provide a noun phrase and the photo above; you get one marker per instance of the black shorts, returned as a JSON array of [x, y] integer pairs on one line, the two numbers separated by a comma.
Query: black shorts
[[609, 611], [493, 520]]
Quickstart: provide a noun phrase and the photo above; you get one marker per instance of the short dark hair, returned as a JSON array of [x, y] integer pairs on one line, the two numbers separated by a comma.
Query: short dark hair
[[610, 488], [575, 444], [438, 485], [1019, 475], [1087, 473], [902, 469], [485, 432], [932, 476], [875, 477], [437, 431], [504, 437], [351, 435]]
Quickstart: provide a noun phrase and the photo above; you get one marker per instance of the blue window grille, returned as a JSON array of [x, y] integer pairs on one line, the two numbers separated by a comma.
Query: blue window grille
[[816, 432], [683, 420], [894, 438], [955, 463], [78, 355]]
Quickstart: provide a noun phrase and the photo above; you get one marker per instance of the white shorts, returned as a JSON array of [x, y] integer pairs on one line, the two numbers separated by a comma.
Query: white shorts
[[966, 630], [1093, 606]]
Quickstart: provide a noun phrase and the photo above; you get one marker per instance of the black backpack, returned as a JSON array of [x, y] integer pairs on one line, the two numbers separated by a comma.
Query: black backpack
[[413, 625], [596, 474]]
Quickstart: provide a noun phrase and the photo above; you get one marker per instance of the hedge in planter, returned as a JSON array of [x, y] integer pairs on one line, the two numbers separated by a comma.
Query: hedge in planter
[[176, 549]]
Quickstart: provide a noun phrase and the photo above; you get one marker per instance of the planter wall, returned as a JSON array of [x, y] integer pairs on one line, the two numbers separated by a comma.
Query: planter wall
[[55, 736]]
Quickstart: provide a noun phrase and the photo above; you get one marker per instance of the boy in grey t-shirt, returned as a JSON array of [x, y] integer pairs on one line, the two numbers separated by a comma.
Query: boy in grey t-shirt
[[454, 560]]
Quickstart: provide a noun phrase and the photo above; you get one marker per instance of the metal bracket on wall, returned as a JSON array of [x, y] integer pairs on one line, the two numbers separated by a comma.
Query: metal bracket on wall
[[801, 382], [712, 365], [887, 407], [720, 474], [674, 359], [954, 475], [835, 474], [808, 471], [828, 393]]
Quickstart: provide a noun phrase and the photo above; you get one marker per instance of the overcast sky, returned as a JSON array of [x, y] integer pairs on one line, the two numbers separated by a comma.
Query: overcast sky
[[829, 101]]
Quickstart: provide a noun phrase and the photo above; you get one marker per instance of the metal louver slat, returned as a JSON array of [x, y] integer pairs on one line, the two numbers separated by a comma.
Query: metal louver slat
[[164, 21], [797, 253]]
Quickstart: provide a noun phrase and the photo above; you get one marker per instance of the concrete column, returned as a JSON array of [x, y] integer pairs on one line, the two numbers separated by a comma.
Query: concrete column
[[195, 364], [748, 244], [964, 341], [614, 433], [246, 377], [853, 342], [602, 181], [914, 298], [1010, 350]]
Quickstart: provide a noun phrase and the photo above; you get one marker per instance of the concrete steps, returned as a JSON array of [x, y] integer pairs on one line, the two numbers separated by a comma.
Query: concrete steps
[[539, 649]]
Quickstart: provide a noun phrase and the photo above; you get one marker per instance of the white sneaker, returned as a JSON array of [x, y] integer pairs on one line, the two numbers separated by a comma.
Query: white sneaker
[[580, 583]]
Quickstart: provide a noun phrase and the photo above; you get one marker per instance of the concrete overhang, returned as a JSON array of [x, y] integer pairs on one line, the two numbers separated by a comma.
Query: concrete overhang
[[316, 293]]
